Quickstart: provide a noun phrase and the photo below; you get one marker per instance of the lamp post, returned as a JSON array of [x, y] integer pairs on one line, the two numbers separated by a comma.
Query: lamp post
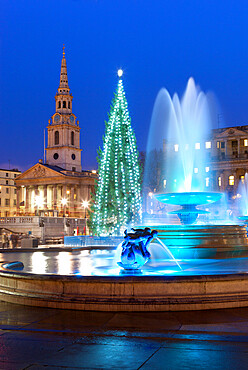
[[85, 205]]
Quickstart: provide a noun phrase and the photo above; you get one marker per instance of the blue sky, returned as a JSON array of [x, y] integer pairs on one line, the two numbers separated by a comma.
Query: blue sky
[[158, 44]]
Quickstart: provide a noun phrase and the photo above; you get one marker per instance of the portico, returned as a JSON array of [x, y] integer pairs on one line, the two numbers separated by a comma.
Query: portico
[[41, 188]]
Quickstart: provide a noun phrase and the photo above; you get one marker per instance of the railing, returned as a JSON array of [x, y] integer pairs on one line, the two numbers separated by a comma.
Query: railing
[[92, 241], [36, 219], [220, 158]]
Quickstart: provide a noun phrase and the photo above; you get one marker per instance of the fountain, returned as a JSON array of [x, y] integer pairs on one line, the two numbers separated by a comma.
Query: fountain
[[243, 199], [184, 138], [201, 271]]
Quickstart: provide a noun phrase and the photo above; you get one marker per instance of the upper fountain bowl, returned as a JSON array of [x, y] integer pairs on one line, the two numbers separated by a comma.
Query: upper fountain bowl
[[196, 198]]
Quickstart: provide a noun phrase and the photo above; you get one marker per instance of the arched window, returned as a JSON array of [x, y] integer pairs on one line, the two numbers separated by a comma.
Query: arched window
[[69, 105], [56, 138], [59, 104], [64, 104], [72, 138]]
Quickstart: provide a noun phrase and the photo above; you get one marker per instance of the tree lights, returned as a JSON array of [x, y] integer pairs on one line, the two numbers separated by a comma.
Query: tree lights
[[117, 200]]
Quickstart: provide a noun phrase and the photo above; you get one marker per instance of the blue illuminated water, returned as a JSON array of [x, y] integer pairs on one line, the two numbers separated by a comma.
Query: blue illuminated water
[[102, 263], [181, 128]]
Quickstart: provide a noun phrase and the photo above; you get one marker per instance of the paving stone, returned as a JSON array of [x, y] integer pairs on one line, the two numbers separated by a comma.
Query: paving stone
[[149, 321], [42, 338], [75, 321], [102, 356], [188, 356]]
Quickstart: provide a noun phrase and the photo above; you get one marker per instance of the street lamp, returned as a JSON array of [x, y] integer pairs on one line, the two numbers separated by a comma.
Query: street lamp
[[39, 202], [64, 203]]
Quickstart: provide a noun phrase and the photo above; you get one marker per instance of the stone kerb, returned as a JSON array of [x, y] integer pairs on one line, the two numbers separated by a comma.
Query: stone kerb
[[127, 293]]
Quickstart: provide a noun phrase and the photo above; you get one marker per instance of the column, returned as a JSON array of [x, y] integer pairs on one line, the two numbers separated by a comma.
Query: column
[[45, 196], [226, 152], [27, 190], [18, 197], [54, 201], [64, 196], [72, 202]]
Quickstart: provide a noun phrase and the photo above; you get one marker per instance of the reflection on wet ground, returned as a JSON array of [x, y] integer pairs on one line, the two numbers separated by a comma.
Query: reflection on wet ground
[[44, 338]]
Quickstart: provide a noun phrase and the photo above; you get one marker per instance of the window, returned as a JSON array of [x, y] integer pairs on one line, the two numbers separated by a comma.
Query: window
[[14, 191], [207, 169], [7, 202], [0, 201], [56, 138], [7, 190], [164, 183], [231, 180], [176, 146], [15, 174], [242, 179], [218, 144], [59, 104], [14, 202], [55, 156], [208, 144], [72, 138], [64, 104], [197, 146], [222, 144], [7, 182], [207, 182], [69, 105], [245, 142], [195, 170], [73, 168], [7, 175]]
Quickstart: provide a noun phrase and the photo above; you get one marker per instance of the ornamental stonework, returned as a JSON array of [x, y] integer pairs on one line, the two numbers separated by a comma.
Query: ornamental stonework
[[39, 172]]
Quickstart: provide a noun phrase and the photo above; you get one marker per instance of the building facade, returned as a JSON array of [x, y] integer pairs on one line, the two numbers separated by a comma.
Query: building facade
[[226, 153], [229, 158], [8, 192], [58, 187]]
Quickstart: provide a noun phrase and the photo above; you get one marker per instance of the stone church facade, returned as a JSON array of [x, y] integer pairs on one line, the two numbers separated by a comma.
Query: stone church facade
[[58, 187]]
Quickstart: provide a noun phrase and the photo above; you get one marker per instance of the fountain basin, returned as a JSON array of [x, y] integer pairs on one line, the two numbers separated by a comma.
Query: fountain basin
[[204, 241], [125, 293], [189, 198], [188, 201], [161, 286]]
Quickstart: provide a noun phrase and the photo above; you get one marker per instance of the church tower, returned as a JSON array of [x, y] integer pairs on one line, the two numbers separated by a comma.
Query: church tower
[[63, 148]]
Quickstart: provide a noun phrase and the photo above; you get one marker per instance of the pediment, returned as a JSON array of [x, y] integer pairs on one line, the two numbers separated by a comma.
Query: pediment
[[231, 132], [39, 171]]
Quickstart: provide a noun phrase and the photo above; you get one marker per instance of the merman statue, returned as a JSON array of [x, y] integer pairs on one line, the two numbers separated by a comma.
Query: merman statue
[[134, 248]]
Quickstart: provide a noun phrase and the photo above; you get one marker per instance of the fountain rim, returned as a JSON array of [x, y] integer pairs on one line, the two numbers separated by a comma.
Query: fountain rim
[[208, 197], [125, 293]]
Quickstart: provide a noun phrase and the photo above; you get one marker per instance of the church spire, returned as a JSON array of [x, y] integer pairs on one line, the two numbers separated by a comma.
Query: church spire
[[63, 83]]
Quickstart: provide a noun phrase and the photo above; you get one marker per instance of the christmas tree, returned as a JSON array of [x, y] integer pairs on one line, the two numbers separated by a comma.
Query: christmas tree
[[117, 200]]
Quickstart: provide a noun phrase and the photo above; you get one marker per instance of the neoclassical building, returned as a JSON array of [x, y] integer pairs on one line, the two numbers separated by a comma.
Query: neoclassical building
[[58, 187]]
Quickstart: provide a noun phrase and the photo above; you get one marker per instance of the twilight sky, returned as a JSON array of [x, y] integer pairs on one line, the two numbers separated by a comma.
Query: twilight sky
[[158, 43]]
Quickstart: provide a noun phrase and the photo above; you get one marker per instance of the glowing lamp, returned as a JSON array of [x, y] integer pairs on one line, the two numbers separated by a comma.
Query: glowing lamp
[[85, 204], [63, 201]]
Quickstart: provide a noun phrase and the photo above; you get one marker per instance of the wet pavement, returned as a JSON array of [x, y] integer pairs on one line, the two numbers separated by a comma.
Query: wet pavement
[[42, 338]]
